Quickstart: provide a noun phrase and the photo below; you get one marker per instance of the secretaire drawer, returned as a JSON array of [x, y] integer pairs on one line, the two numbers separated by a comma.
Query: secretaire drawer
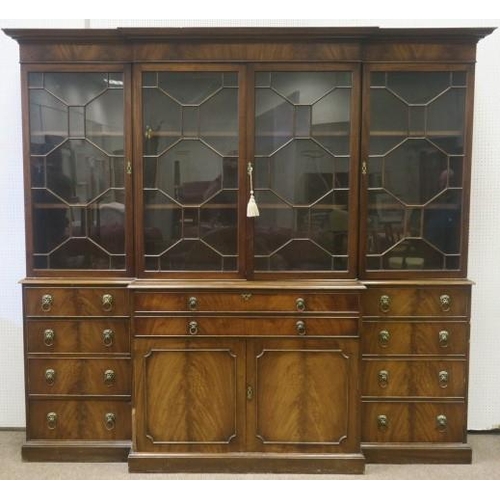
[[52, 301], [300, 326], [386, 338], [78, 336], [424, 422], [79, 419], [251, 301], [416, 301], [79, 376], [413, 378]]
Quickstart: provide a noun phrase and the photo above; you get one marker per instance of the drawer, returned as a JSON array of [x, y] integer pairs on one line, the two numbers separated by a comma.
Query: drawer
[[386, 422], [416, 301], [246, 326], [78, 336], [75, 301], [79, 376], [400, 338], [80, 419], [414, 378], [243, 301]]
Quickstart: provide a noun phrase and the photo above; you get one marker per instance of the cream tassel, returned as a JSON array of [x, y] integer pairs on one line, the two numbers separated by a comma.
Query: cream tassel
[[252, 208]]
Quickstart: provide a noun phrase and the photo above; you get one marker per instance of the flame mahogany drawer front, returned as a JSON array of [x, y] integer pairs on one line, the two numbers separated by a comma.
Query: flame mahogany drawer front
[[414, 378], [52, 301], [79, 376], [415, 338], [79, 419], [297, 326], [107, 336], [245, 302], [391, 422], [416, 301]]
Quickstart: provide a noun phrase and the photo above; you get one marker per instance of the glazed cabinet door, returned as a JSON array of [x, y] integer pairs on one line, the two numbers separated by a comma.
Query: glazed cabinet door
[[302, 396], [415, 170], [189, 395], [78, 155]]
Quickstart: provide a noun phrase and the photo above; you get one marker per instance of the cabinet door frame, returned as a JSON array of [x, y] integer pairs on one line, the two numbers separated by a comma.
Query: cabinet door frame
[[138, 162], [127, 158], [365, 273]]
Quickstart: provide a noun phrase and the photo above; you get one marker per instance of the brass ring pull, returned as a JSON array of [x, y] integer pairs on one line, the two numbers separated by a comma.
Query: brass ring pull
[[383, 338], [300, 326], [193, 327], [382, 422], [51, 420], [109, 377], [48, 337], [107, 302], [109, 421], [108, 336], [47, 301], [50, 376], [443, 377], [192, 303], [442, 423], [383, 378], [445, 301], [300, 304], [385, 303], [443, 337]]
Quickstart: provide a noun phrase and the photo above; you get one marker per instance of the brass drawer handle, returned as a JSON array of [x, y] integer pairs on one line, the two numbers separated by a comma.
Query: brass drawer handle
[[107, 302], [51, 418], [445, 302], [383, 338], [193, 327], [383, 378], [300, 304], [192, 303], [382, 423], [47, 302], [385, 303], [300, 326], [109, 377], [50, 376], [108, 336], [109, 421], [442, 423], [48, 337], [443, 377], [443, 337]]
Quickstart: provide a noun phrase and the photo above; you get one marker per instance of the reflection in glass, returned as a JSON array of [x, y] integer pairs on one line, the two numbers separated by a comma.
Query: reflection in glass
[[301, 172], [77, 170]]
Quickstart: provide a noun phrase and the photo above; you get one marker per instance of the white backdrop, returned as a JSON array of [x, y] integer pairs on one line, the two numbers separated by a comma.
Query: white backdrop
[[484, 254]]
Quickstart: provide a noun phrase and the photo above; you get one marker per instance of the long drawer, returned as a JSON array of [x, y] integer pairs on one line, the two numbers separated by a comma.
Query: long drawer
[[386, 338], [79, 419], [246, 326], [62, 301], [413, 422], [414, 378], [79, 376], [243, 301], [106, 336]]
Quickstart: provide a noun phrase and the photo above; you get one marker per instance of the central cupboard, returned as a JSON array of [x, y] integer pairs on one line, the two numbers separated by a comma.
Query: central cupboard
[[164, 316]]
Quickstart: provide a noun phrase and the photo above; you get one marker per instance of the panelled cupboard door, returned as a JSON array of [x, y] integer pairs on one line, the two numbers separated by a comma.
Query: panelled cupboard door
[[302, 395], [415, 170], [189, 395], [78, 156]]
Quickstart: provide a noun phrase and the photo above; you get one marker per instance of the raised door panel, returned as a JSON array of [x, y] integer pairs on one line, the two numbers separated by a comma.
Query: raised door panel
[[188, 395], [302, 396]]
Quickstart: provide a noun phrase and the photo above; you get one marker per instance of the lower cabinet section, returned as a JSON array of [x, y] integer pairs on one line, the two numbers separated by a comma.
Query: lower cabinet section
[[294, 400]]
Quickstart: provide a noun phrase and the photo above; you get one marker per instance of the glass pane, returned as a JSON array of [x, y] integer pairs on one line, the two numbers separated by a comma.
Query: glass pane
[[190, 87], [191, 255], [76, 89], [76, 121], [417, 87]]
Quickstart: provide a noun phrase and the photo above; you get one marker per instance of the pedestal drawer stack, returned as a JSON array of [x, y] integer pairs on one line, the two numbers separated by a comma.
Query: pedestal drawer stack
[[77, 372], [415, 342]]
